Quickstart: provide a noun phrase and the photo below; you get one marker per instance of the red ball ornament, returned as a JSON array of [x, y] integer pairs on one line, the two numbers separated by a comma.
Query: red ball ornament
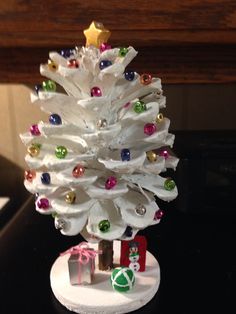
[[73, 63], [78, 171], [30, 175], [149, 128], [145, 79]]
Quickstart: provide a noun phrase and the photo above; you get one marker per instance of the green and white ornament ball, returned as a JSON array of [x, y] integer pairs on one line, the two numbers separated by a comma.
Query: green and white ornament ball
[[122, 279]]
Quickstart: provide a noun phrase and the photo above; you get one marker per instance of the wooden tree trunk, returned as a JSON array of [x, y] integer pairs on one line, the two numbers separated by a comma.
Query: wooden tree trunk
[[106, 258]]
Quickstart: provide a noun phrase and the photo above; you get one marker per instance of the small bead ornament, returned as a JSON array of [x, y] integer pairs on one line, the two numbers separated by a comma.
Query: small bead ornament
[[96, 92], [30, 175], [149, 129], [52, 65], [55, 119], [164, 153], [43, 203], [34, 130], [159, 118], [140, 210], [78, 171], [102, 123], [104, 64], [110, 183], [37, 88], [70, 197], [151, 156], [49, 86], [73, 64], [45, 178], [145, 79], [60, 152], [33, 150], [60, 224], [125, 154], [158, 214], [129, 75], [169, 184], [104, 46], [104, 225], [139, 106], [123, 51]]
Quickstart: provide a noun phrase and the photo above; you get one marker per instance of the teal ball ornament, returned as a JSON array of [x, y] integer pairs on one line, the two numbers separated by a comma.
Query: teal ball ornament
[[122, 279]]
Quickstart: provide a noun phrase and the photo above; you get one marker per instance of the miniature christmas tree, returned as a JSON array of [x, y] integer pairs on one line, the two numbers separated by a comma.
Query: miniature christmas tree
[[96, 165]]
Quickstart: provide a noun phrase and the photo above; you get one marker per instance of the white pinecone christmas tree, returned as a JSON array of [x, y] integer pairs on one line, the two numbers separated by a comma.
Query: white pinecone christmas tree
[[93, 165]]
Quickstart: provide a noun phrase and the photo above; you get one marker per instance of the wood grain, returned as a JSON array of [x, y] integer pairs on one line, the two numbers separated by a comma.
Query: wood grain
[[180, 41]]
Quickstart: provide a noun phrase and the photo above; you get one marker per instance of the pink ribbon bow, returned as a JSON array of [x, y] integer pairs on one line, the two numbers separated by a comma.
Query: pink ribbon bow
[[84, 252]]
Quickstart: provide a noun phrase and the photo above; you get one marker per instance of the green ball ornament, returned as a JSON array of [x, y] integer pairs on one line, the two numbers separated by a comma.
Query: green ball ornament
[[104, 225], [169, 184], [61, 152], [122, 279], [49, 86], [123, 51], [139, 106]]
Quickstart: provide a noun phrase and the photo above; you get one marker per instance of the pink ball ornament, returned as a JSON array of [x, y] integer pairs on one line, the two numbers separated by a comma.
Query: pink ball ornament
[[104, 47], [158, 214], [110, 183], [149, 129], [164, 153], [96, 92], [34, 130]]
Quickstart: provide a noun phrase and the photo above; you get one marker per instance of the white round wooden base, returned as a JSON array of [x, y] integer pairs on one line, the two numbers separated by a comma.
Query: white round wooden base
[[99, 297]]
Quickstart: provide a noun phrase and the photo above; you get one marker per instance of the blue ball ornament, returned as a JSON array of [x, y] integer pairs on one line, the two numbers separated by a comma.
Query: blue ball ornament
[[67, 53], [55, 119], [129, 75], [125, 154], [45, 178], [104, 64]]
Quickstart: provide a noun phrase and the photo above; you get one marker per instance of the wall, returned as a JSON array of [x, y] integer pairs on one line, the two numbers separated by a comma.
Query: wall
[[195, 107]]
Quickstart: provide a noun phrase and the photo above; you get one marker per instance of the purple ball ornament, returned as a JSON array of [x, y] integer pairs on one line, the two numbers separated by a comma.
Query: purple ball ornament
[[43, 203]]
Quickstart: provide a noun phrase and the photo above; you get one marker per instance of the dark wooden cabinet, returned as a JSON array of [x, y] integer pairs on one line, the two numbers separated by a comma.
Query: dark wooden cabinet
[[180, 41]]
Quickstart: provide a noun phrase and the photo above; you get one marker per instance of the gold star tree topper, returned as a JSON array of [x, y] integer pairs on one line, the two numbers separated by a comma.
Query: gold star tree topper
[[96, 34]]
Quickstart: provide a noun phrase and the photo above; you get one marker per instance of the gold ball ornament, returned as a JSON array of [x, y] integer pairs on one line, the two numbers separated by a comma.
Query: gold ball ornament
[[151, 156], [52, 65], [70, 197], [159, 117], [96, 34], [33, 150]]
